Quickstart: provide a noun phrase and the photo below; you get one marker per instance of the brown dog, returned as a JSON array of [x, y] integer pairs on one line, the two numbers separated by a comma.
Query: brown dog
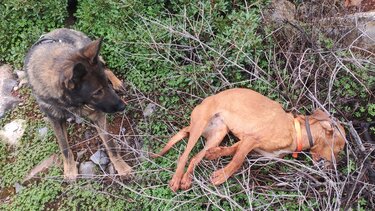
[[260, 124]]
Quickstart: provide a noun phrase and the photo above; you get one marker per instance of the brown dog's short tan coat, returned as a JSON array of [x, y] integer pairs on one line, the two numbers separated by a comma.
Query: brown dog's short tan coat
[[259, 123]]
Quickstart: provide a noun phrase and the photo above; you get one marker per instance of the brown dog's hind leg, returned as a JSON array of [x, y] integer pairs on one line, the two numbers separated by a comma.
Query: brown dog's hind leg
[[216, 152], [184, 132], [221, 175], [120, 165], [214, 138], [116, 83], [70, 167]]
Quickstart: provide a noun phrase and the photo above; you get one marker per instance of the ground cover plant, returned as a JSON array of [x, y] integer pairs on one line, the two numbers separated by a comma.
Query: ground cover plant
[[173, 54]]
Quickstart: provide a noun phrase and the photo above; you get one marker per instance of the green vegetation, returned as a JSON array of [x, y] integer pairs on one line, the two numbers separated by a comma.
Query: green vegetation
[[23, 22], [175, 53]]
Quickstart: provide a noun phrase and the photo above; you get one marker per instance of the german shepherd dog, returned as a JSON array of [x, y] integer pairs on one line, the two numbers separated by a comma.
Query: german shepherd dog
[[68, 78]]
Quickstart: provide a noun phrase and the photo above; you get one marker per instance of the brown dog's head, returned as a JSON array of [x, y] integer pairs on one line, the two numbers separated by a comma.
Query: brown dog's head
[[329, 137], [86, 83]]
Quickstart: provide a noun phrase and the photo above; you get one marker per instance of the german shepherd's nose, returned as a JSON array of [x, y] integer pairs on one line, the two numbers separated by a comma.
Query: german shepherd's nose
[[120, 106]]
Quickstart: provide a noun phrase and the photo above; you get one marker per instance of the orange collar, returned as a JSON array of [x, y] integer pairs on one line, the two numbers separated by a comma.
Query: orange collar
[[297, 126]]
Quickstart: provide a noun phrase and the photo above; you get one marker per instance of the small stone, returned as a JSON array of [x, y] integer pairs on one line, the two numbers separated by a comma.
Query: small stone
[[13, 131], [70, 119], [100, 158], [87, 134], [87, 169], [79, 120], [18, 187], [122, 130], [149, 110], [42, 132]]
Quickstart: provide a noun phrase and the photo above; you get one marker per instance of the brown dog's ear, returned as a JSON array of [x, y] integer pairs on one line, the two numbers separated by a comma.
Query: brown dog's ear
[[320, 115], [326, 125], [91, 51], [323, 119]]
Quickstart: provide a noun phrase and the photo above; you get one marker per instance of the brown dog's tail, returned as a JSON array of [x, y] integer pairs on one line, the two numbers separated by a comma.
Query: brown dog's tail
[[184, 132]]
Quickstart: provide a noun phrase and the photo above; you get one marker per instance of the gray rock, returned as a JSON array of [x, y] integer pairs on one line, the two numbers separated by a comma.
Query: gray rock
[[79, 120], [7, 103], [88, 169], [111, 169], [7, 82], [13, 131], [87, 134], [18, 187], [149, 110], [42, 132], [6, 85], [5, 71], [122, 130], [100, 158]]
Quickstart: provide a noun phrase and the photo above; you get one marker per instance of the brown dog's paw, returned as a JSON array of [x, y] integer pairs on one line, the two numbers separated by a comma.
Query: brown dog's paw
[[174, 184], [185, 182], [213, 153], [219, 177], [119, 86]]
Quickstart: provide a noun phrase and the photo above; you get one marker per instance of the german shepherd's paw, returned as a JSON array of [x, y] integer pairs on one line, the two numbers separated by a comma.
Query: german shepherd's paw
[[122, 168], [70, 173]]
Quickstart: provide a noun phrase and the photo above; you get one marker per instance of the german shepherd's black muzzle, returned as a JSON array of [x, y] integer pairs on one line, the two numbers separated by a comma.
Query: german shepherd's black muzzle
[[110, 103], [68, 77]]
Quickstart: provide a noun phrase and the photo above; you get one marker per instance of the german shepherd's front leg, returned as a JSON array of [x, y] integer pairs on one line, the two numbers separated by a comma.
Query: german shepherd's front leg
[[120, 165], [70, 167]]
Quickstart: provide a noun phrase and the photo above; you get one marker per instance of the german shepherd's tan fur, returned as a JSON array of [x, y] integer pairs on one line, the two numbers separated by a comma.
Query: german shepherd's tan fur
[[68, 78]]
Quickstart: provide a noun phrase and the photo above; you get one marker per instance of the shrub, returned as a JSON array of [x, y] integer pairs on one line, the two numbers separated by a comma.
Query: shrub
[[23, 22]]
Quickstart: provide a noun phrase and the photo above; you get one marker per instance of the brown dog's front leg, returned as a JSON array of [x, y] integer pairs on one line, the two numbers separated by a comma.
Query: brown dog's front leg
[[120, 165], [244, 148], [116, 83], [70, 167]]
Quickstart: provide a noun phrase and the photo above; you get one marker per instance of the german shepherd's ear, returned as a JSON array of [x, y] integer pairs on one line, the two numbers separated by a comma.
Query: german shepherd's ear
[[75, 76], [323, 119], [91, 51]]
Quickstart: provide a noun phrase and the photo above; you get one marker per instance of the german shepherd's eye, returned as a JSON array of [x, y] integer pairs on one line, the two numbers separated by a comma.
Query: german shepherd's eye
[[98, 93]]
